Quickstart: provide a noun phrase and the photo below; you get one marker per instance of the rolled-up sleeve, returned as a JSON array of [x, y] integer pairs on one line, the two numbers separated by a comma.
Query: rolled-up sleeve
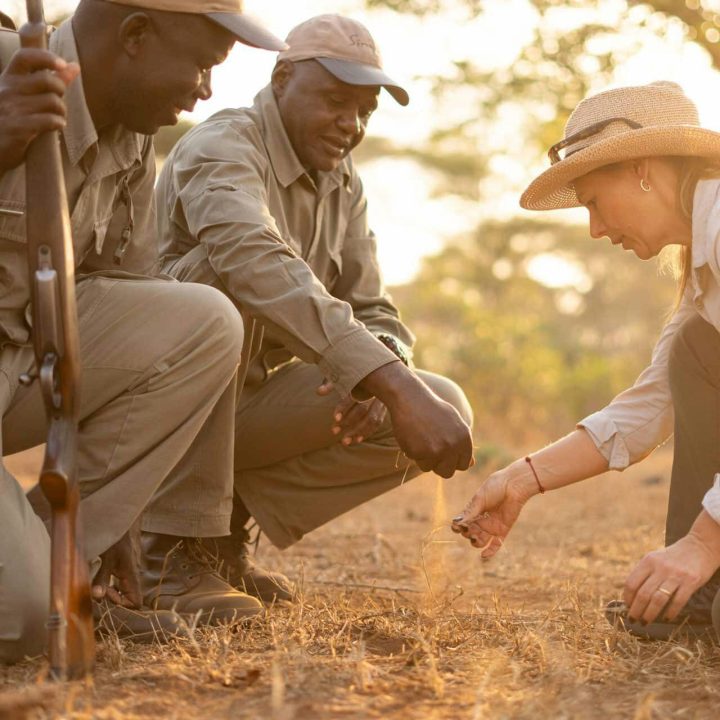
[[219, 179], [711, 501], [640, 418]]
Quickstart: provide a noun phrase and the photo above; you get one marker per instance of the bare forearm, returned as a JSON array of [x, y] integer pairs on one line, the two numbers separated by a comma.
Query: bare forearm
[[389, 383], [568, 460]]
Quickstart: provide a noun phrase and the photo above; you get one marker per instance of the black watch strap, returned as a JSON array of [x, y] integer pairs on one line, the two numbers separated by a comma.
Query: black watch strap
[[397, 347]]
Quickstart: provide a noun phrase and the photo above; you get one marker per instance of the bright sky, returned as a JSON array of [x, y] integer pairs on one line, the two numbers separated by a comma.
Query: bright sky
[[409, 220]]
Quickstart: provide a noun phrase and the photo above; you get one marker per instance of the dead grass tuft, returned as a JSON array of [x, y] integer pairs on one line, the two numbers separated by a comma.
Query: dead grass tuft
[[397, 619]]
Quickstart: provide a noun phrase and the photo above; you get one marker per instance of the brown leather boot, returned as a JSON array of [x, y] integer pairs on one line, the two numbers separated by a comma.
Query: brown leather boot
[[141, 626], [234, 563], [178, 575]]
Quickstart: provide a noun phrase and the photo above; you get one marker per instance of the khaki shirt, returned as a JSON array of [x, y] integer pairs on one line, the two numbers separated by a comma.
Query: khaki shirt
[[239, 212], [641, 418], [109, 182]]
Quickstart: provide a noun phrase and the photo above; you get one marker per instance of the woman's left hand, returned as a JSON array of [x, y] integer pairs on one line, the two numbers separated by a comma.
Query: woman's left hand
[[664, 580]]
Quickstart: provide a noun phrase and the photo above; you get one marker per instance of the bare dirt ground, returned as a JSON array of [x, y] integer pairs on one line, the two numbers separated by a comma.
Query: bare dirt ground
[[400, 620]]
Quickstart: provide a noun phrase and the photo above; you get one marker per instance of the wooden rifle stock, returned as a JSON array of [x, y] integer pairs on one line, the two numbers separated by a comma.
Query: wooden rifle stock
[[51, 265]]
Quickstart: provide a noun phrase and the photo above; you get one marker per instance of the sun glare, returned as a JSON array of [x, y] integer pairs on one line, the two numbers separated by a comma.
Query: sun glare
[[555, 271], [417, 49]]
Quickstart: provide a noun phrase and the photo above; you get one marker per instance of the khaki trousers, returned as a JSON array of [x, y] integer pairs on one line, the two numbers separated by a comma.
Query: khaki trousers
[[291, 472], [159, 363]]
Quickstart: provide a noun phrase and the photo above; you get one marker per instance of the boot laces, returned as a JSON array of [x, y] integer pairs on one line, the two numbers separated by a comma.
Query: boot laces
[[196, 558]]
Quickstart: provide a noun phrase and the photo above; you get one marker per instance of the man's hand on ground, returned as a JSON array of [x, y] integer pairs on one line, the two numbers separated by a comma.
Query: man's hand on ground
[[30, 101], [428, 430], [353, 421], [121, 561]]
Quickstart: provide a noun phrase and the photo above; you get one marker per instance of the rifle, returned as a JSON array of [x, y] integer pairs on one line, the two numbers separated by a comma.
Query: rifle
[[51, 263]]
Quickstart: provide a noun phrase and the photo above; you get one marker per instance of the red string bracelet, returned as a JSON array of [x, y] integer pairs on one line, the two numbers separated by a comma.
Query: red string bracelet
[[537, 479]]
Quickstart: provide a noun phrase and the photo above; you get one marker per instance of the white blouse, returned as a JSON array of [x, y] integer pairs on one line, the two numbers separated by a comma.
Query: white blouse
[[641, 417]]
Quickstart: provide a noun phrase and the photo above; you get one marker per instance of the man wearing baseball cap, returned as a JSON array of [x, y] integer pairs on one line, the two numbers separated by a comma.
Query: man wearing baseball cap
[[158, 358], [265, 203]]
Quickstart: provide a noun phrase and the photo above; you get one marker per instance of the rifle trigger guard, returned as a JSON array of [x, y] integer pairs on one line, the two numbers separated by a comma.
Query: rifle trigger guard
[[28, 378], [48, 382]]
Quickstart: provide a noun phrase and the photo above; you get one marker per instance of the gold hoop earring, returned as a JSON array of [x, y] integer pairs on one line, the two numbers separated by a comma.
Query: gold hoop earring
[[644, 186]]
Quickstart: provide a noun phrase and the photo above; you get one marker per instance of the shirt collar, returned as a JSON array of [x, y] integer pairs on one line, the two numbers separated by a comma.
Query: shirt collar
[[285, 162], [705, 219], [79, 133]]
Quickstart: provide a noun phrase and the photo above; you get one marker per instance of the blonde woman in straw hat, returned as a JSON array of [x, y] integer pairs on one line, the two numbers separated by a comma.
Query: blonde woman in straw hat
[[649, 177]]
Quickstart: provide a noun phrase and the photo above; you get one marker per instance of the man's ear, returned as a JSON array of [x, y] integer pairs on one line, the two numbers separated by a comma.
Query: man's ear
[[134, 31], [281, 74]]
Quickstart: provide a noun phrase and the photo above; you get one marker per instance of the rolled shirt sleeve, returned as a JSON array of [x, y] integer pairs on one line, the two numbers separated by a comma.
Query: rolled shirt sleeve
[[640, 418], [711, 501], [219, 181]]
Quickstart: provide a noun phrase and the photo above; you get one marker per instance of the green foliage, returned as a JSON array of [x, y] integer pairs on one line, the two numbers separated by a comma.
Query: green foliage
[[530, 366]]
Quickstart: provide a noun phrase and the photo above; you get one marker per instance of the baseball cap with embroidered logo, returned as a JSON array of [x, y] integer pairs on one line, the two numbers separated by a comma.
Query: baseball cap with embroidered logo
[[345, 48], [226, 13]]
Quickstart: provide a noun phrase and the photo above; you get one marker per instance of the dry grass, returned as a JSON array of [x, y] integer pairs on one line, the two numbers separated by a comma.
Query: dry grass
[[397, 619]]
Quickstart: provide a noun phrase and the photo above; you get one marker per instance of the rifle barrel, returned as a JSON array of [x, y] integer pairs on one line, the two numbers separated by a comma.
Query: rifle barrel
[[51, 264]]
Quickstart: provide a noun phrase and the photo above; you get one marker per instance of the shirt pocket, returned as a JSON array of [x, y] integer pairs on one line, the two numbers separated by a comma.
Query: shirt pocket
[[12, 220], [13, 253]]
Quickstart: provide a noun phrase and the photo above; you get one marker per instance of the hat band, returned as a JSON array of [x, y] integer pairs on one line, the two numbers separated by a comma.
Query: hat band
[[584, 134]]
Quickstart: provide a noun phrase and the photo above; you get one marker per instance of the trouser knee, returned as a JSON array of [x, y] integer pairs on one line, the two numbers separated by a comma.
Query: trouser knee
[[220, 322], [449, 391], [26, 633]]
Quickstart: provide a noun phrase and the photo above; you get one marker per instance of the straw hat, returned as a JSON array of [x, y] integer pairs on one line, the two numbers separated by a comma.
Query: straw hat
[[616, 125]]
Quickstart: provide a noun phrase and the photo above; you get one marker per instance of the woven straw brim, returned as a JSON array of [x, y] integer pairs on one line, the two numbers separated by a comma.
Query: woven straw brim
[[552, 190]]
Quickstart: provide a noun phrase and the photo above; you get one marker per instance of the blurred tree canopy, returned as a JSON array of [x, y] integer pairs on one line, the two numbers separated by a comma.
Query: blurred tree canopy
[[534, 358], [561, 64]]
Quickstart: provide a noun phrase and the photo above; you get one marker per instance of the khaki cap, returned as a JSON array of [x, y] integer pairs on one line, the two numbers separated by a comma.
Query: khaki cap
[[345, 48], [626, 123], [226, 13]]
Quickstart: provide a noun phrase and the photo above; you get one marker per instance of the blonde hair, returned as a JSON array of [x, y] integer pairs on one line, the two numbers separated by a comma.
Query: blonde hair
[[678, 259]]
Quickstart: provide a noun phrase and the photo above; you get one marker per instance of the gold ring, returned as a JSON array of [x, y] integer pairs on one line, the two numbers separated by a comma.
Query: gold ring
[[665, 591]]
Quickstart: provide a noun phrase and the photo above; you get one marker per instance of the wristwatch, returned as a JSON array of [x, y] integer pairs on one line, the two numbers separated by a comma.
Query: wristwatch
[[397, 347]]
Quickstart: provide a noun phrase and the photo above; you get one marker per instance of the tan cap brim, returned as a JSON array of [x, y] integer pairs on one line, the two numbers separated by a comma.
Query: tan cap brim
[[553, 190], [354, 73], [247, 30]]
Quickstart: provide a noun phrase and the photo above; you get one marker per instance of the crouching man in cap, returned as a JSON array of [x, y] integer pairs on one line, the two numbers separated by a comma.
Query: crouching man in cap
[[159, 358], [266, 204]]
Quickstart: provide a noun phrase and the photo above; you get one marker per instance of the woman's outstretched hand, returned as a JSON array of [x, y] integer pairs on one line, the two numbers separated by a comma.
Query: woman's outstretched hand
[[492, 511]]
